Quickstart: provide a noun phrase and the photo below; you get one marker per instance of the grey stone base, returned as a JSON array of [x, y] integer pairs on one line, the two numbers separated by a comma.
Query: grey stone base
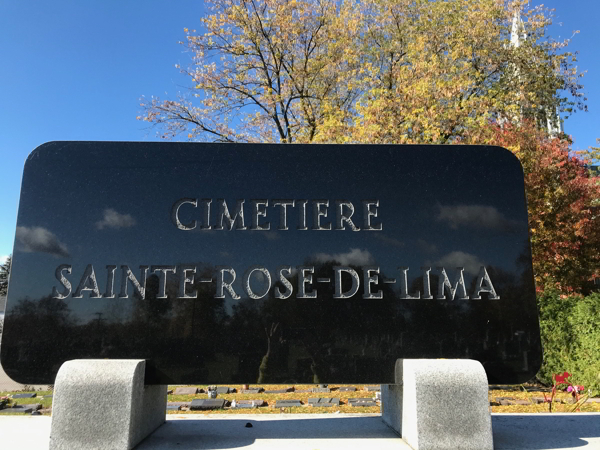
[[104, 404], [439, 404]]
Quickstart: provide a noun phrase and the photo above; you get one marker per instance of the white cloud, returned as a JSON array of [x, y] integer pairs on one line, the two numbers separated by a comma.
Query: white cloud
[[474, 216], [470, 262], [113, 219], [3, 259], [355, 257], [38, 239]]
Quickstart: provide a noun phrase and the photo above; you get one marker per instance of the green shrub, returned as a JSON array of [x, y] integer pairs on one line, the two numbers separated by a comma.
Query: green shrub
[[570, 329]]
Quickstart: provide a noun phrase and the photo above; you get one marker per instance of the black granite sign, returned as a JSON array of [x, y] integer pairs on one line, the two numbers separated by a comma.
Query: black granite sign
[[223, 263]]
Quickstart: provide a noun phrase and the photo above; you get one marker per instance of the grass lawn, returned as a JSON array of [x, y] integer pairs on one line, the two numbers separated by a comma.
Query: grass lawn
[[526, 392]]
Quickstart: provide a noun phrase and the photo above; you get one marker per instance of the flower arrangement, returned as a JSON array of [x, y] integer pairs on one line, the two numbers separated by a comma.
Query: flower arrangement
[[575, 390]]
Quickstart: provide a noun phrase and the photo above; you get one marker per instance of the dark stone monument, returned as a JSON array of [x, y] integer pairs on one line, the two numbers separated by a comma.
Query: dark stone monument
[[347, 389], [186, 391], [248, 404], [206, 404], [279, 391], [325, 402], [320, 390], [349, 256], [287, 403], [24, 395], [362, 402], [224, 390], [252, 391], [21, 409]]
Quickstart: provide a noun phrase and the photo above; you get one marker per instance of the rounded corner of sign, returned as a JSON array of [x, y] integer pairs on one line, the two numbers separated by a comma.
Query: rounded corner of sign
[[8, 372], [40, 149], [510, 155]]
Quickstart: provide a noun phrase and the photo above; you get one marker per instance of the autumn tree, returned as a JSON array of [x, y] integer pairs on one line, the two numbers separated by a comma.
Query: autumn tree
[[375, 71], [4, 275], [262, 71], [563, 201]]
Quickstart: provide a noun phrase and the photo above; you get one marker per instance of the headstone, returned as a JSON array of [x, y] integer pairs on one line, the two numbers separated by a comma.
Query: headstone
[[372, 388], [249, 404], [252, 391], [171, 407], [206, 404], [24, 395], [21, 409], [287, 403], [186, 391], [224, 390], [303, 391], [356, 402], [280, 391], [347, 389], [180, 404], [324, 402], [321, 390], [219, 234]]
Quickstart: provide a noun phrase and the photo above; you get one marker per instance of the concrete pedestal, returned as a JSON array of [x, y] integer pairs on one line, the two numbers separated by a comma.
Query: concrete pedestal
[[104, 404], [439, 404]]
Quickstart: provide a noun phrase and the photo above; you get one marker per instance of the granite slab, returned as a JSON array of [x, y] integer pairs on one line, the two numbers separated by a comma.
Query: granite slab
[[25, 395], [22, 409], [224, 390], [287, 403], [356, 402], [321, 390], [207, 404], [326, 402], [280, 391], [186, 391], [248, 404], [252, 391]]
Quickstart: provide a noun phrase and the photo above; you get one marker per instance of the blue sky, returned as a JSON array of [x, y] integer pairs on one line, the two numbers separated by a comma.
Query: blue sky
[[73, 70]]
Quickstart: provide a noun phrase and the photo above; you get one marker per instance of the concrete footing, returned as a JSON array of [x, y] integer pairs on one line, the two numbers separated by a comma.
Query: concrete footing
[[104, 404], [439, 404]]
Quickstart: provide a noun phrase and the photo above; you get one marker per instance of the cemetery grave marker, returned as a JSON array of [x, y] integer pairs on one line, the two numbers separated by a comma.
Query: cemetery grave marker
[[325, 402], [347, 389], [321, 390], [252, 391], [206, 404], [287, 403], [362, 402], [187, 391]]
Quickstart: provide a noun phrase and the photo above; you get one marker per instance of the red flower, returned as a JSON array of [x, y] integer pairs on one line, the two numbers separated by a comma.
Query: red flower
[[561, 378]]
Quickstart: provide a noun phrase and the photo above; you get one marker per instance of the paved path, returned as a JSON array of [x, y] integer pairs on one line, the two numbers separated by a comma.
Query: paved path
[[323, 432]]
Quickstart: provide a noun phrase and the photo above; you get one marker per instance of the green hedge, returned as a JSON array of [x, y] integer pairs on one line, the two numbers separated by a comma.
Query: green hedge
[[570, 330]]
